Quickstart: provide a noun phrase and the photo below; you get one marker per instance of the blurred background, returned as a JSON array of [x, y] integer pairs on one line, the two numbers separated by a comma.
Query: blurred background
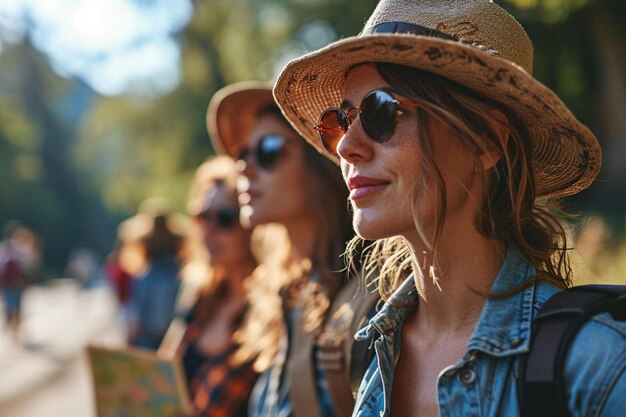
[[102, 105]]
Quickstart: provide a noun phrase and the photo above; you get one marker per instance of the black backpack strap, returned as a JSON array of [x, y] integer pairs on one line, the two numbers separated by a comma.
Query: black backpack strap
[[541, 388]]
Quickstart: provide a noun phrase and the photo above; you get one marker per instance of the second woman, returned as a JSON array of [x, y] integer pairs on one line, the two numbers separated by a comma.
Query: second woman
[[302, 317]]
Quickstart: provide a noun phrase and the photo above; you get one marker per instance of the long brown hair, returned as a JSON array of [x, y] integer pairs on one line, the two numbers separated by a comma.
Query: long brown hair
[[282, 279], [511, 214], [215, 172]]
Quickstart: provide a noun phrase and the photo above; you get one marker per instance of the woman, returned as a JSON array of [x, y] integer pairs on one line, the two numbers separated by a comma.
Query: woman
[[220, 255], [300, 299], [451, 151]]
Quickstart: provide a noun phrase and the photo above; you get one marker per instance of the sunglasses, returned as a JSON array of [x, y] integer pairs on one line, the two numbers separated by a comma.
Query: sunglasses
[[378, 114], [268, 151], [225, 219]]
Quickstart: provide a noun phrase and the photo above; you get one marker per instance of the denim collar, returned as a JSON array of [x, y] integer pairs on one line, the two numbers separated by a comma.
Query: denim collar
[[504, 325]]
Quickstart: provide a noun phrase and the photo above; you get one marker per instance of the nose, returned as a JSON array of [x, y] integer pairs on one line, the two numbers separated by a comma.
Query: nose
[[354, 146]]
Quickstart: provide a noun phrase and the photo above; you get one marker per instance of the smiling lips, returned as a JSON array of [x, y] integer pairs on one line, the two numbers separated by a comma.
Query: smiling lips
[[361, 187]]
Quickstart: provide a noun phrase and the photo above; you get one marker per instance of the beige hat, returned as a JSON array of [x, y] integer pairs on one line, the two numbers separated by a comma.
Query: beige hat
[[473, 42], [232, 114]]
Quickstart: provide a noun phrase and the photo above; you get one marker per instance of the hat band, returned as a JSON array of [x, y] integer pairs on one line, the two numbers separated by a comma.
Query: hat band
[[410, 28]]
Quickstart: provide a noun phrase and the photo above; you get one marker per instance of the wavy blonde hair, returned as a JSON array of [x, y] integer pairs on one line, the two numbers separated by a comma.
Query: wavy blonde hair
[[511, 214]]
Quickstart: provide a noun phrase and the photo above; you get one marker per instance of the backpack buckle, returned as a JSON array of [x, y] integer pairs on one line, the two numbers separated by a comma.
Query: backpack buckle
[[329, 352]]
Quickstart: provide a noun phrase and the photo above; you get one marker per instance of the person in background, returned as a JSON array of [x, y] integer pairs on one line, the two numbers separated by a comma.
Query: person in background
[[219, 262], [20, 264], [83, 266], [299, 326], [454, 156], [116, 276], [156, 238]]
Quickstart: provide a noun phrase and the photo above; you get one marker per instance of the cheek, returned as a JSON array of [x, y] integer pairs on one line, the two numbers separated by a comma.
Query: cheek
[[293, 185], [294, 195], [345, 169]]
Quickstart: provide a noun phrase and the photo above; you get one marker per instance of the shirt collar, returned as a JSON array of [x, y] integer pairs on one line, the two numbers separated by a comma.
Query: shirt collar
[[504, 325], [394, 311]]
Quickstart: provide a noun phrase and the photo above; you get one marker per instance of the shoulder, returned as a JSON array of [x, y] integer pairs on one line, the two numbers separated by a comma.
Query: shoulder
[[595, 368]]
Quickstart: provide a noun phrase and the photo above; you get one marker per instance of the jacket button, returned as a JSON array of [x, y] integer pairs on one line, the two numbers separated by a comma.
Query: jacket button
[[467, 376]]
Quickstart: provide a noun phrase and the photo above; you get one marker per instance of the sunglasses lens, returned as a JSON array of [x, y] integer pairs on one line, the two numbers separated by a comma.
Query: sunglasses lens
[[224, 219], [378, 115], [227, 218], [332, 126], [269, 150]]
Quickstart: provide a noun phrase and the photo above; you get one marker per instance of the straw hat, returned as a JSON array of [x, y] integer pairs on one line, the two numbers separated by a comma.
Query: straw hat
[[232, 114], [473, 42]]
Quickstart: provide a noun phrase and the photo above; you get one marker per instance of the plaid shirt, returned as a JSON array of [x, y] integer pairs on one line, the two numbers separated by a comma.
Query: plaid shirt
[[218, 386]]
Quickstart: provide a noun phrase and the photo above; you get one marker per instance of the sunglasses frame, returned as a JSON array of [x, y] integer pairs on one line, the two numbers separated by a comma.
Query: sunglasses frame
[[257, 152], [217, 217], [349, 115]]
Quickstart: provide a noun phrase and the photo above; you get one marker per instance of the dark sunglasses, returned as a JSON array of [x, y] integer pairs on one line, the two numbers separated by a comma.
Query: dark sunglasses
[[268, 151], [225, 219], [378, 114]]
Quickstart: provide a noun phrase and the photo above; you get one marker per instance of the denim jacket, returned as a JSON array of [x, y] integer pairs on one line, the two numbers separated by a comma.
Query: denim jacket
[[270, 396], [485, 381]]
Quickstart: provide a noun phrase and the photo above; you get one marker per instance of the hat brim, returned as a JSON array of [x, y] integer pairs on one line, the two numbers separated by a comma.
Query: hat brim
[[566, 154], [232, 112]]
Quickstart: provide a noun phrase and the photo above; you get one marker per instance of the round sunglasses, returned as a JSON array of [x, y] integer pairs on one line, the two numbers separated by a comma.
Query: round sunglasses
[[378, 114], [267, 152], [224, 219]]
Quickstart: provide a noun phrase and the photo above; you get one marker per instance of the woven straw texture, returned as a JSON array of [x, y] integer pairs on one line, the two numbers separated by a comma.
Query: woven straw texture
[[493, 57]]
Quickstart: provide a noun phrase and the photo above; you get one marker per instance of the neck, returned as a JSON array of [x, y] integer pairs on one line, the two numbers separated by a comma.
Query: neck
[[467, 264], [302, 236], [235, 277]]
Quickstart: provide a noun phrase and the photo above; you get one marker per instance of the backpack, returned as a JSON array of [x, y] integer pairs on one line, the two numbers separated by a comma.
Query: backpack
[[11, 273], [541, 389], [342, 359]]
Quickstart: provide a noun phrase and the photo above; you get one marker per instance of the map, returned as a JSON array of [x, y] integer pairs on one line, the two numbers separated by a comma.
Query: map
[[131, 382]]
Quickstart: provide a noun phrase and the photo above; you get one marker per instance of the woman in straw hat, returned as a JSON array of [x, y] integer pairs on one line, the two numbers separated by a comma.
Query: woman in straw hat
[[452, 151], [301, 320]]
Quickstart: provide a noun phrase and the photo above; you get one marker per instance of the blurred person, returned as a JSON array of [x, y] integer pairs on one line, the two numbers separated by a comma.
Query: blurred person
[[20, 262], [220, 257], [156, 237], [455, 157], [116, 276], [299, 326], [82, 265]]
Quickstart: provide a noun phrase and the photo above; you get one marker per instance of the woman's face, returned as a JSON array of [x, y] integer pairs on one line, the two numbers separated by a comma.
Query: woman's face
[[226, 241], [278, 192], [386, 190]]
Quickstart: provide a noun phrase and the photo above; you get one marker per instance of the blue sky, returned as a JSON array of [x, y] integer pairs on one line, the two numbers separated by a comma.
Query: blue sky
[[113, 45]]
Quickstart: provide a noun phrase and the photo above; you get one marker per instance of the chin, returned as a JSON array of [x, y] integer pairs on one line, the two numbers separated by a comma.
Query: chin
[[369, 230], [251, 217]]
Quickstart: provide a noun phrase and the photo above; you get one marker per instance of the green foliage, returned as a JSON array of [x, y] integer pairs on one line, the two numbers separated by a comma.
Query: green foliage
[[551, 11]]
